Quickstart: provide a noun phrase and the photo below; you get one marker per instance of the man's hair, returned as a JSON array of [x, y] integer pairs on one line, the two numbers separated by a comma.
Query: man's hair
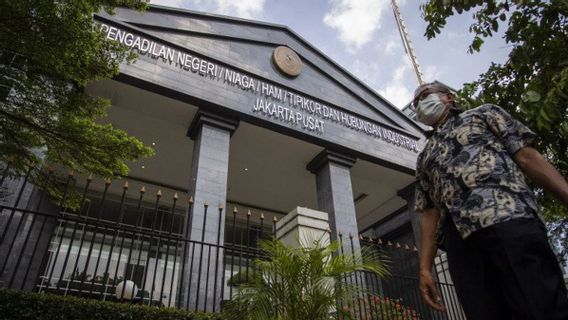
[[438, 86]]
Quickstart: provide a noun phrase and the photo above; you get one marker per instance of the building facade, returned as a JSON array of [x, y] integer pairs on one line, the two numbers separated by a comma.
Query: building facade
[[249, 121]]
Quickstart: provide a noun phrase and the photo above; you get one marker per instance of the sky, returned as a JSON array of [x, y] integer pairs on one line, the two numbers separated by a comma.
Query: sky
[[362, 37]]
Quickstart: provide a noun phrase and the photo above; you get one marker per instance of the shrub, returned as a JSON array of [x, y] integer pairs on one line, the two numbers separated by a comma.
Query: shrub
[[20, 305], [377, 307]]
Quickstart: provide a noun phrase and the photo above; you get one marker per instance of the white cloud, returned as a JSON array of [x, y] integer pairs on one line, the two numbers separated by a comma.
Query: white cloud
[[392, 45], [366, 71], [168, 3], [248, 9], [396, 91], [431, 73], [356, 21], [241, 8]]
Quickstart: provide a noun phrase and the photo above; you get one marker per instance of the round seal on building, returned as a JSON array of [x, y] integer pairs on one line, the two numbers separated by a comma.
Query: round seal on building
[[287, 61]]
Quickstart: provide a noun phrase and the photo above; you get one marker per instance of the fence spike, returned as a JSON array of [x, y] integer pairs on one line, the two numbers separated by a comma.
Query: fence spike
[[350, 235], [274, 219], [370, 239], [340, 233], [361, 237], [89, 178], [249, 213], [406, 247], [206, 204], [221, 205], [125, 186], [379, 241], [398, 245], [235, 211], [389, 244], [190, 200], [414, 249], [262, 216], [143, 189], [159, 193], [107, 181], [175, 195]]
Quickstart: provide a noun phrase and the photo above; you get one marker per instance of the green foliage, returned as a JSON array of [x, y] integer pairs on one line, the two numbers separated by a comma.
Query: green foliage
[[51, 50], [532, 84], [20, 305], [300, 283]]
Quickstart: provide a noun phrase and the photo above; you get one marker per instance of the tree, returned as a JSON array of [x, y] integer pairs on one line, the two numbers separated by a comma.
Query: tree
[[532, 84], [300, 283], [51, 50]]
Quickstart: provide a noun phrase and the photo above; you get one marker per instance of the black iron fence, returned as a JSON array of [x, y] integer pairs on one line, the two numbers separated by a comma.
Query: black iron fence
[[105, 241], [398, 296]]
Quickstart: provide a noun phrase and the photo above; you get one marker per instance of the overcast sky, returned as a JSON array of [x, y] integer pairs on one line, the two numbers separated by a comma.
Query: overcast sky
[[361, 36]]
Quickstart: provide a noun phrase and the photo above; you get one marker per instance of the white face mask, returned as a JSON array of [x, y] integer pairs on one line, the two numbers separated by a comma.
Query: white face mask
[[430, 109]]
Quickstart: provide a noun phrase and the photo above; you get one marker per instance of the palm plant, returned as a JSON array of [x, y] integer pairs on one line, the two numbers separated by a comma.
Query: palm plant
[[308, 283]]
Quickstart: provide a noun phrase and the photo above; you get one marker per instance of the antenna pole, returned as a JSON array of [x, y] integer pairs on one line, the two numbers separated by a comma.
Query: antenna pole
[[406, 42]]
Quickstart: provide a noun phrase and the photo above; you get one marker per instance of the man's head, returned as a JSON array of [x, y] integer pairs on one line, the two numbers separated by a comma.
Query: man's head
[[432, 102]]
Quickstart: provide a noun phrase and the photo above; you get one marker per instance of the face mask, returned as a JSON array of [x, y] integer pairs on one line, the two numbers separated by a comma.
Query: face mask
[[430, 109]]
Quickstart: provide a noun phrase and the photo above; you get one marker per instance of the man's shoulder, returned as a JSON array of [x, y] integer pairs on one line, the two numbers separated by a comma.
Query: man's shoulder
[[482, 109]]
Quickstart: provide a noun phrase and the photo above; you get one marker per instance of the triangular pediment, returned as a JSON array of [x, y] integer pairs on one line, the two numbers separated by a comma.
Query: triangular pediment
[[247, 46]]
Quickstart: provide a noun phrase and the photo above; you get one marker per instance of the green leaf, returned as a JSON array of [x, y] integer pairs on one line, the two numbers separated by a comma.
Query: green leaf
[[531, 96], [49, 55]]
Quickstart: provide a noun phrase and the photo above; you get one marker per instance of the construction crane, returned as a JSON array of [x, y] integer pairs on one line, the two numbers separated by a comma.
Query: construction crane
[[406, 42]]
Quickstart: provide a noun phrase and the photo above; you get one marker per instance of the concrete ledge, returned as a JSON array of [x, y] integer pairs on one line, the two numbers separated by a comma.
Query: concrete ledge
[[302, 225]]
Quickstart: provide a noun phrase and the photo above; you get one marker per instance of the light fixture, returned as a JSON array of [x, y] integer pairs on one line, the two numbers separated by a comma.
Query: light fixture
[[126, 290]]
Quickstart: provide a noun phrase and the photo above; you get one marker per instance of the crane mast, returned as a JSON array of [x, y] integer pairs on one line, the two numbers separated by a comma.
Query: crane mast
[[406, 42]]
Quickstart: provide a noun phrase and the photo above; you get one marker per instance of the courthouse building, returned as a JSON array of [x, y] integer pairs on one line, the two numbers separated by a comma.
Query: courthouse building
[[244, 116]]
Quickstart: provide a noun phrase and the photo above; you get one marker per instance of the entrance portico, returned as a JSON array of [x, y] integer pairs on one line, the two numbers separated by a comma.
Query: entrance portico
[[274, 124]]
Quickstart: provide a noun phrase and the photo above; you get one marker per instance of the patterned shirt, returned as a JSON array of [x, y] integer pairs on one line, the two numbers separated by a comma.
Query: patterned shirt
[[467, 170]]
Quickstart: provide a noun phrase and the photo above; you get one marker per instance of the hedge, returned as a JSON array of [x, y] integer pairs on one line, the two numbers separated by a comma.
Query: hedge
[[20, 305]]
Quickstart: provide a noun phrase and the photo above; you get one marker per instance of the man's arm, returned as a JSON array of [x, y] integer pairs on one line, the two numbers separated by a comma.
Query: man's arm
[[428, 249], [533, 164]]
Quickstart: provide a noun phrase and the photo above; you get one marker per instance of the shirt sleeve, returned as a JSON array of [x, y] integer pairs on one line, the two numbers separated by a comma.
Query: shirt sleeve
[[514, 134], [422, 200]]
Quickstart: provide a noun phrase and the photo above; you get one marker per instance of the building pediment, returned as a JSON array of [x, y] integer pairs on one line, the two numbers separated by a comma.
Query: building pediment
[[229, 63]]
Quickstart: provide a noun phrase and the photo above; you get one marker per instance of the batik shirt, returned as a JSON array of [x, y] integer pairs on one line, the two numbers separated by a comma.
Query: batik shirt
[[466, 170]]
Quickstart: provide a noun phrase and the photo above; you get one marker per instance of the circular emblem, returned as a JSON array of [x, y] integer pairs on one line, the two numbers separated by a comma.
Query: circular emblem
[[287, 61]]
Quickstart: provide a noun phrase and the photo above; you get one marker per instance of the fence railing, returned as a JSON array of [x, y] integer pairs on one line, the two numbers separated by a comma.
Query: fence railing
[[399, 293], [109, 242]]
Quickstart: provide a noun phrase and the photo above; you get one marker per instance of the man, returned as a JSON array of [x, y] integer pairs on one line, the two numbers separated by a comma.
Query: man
[[475, 203]]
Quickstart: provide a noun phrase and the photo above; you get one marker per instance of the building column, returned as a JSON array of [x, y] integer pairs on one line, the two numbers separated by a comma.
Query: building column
[[407, 193], [335, 195], [24, 235], [203, 270]]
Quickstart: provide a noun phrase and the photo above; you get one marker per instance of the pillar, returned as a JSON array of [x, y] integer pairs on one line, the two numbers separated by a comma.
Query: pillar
[[203, 269], [407, 193], [335, 194], [25, 236]]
